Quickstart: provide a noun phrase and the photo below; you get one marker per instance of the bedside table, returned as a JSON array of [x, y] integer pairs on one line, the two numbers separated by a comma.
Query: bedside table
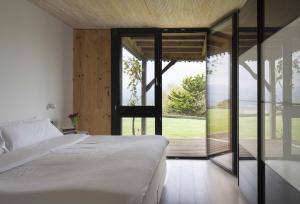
[[82, 132], [67, 131]]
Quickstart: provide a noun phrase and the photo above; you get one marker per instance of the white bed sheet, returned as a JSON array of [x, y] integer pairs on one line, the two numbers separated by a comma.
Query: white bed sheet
[[24, 155], [111, 170]]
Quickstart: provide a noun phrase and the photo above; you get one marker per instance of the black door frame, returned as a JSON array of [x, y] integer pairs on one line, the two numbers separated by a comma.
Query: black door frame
[[119, 111]]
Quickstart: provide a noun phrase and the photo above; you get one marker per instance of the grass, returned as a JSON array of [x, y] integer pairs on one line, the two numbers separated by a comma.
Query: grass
[[218, 120], [195, 128], [172, 127], [181, 127], [184, 128]]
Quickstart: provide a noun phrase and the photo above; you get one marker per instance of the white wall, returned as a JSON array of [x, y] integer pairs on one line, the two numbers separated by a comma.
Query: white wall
[[36, 64]]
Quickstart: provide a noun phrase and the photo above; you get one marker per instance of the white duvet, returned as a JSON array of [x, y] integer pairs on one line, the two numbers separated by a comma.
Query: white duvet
[[79, 169]]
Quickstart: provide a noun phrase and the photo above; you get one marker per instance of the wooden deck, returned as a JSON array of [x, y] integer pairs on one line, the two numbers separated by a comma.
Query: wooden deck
[[187, 148], [197, 147]]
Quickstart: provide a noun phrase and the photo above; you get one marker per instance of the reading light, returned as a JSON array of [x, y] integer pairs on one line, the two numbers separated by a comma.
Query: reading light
[[51, 106]]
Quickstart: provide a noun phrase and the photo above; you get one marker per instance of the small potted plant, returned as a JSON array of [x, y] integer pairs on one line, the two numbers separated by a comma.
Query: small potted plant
[[74, 119]]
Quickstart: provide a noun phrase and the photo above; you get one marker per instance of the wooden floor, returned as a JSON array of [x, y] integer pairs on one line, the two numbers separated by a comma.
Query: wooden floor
[[199, 182]]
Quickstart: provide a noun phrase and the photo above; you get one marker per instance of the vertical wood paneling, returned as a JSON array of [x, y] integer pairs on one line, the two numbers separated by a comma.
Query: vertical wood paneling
[[92, 73]]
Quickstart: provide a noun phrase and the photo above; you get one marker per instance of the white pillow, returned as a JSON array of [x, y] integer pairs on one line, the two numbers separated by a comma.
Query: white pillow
[[24, 134], [3, 148], [14, 122]]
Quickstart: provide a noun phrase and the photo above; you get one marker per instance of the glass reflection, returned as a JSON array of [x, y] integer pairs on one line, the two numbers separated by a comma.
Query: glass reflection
[[219, 141], [281, 56]]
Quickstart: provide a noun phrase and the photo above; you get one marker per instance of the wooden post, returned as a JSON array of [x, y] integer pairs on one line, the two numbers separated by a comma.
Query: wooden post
[[272, 106], [144, 81], [287, 77]]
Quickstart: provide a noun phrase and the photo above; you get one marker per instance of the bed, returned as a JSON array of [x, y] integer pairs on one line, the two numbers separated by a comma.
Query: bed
[[85, 169]]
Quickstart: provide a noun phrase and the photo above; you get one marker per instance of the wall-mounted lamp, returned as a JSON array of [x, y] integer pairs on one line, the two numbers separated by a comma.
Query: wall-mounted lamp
[[51, 106]]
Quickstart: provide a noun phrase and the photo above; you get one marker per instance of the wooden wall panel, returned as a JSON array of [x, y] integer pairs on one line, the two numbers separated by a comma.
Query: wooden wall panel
[[92, 80]]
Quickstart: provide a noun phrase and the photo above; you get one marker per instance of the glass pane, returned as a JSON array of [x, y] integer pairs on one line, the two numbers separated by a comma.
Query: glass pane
[[295, 136], [183, 93], [273, 124], [219, 93], [248, 175], [138, 71], [281, 66], [248, 104], [138, 126]]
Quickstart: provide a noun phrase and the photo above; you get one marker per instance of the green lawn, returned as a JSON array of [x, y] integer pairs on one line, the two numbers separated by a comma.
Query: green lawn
[[172, 127], [184, 128], [218, 120], [248, 127], [195, 128], [180, 127]]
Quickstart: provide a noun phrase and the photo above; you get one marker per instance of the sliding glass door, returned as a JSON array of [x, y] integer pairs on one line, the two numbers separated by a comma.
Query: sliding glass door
[[280, 102], [221, 94], [136, 82]]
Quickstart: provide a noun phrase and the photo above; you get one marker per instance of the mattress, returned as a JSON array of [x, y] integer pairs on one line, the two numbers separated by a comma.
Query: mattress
[[90, 170], [156, 186]]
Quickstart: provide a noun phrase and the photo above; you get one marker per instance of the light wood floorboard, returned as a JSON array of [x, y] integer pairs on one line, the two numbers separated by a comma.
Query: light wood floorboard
[[199, 182]]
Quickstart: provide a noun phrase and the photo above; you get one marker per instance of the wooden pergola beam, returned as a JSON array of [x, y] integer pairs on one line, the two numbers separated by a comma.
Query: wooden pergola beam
[[172, 38], [247, 44], [184, 38], [222, 35], [177, 56], [172, 44], [168, 66], [254, 75], [176, 50], [203, 54], [131, 46]]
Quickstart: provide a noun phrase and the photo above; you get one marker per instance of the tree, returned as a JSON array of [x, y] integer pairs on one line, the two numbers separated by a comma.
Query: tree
[[133, 68], [190, 98]]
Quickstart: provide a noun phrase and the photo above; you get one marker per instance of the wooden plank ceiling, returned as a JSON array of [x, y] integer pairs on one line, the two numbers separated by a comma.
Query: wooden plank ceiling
[[139, 13]]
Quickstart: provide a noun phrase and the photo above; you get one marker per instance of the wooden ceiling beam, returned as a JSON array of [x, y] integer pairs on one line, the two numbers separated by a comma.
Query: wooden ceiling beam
[[171, 44]]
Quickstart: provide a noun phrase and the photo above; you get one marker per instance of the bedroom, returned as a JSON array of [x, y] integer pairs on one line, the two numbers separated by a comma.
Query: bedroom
[[62, 57]]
